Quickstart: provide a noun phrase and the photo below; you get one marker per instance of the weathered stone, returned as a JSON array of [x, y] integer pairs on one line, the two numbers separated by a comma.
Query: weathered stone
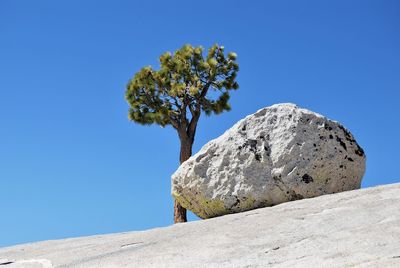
[[351, 229], [281, 153]]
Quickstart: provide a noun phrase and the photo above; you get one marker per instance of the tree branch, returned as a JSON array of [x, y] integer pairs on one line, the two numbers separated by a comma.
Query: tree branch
[[192, 109], [191, 130], [174, 122]]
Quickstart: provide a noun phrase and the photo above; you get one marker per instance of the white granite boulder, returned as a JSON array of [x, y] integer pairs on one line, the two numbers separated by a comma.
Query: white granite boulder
[[279, 154]]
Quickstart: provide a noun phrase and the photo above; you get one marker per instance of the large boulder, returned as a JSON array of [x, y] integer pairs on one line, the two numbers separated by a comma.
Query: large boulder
[[279, 154]]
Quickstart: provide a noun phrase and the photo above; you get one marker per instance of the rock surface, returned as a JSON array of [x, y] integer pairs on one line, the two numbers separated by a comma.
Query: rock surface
[[279, 154], [358, 228]]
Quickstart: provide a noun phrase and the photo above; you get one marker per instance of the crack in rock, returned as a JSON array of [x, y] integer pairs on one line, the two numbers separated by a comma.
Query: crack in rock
[[44, 263], [131, 244]]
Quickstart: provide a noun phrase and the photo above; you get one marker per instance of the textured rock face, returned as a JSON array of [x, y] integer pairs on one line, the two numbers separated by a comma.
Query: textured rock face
[[281, 153], [351, 229]]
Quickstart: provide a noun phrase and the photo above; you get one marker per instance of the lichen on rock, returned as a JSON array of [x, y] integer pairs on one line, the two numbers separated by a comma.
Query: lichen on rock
[[278, 154]]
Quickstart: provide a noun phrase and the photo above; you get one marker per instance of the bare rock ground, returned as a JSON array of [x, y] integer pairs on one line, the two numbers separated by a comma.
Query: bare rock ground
[[359, 228]]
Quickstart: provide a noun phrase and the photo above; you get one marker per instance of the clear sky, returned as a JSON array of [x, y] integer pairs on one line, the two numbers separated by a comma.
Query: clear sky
[[71, 164]]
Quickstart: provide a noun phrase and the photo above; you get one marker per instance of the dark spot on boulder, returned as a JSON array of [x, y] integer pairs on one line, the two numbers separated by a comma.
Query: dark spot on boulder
[[327, 126], [346, 133], [244, 127], [330, 136], [272, 120], [315, 145], [252, 144], [267, 150], [341, 142], [359, 151], [237, 202], [295, 196], [249, 143], [341, 166], [307, 178], [350, 159]]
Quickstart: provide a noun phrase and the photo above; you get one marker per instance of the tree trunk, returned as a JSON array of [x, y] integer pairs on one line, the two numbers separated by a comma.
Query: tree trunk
[[185, 153], [179, 212]]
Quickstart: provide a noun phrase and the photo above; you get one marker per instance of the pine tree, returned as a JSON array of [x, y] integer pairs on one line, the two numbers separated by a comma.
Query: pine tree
[[187, 84]]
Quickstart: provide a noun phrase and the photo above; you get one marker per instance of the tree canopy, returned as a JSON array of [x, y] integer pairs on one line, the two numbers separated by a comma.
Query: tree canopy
[[186, 81]]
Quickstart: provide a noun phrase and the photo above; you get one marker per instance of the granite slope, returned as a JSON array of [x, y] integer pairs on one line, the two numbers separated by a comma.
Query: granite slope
[[359, 228]]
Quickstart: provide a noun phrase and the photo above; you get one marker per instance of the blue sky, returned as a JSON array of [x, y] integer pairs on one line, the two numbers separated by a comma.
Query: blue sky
[[71, 163]]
